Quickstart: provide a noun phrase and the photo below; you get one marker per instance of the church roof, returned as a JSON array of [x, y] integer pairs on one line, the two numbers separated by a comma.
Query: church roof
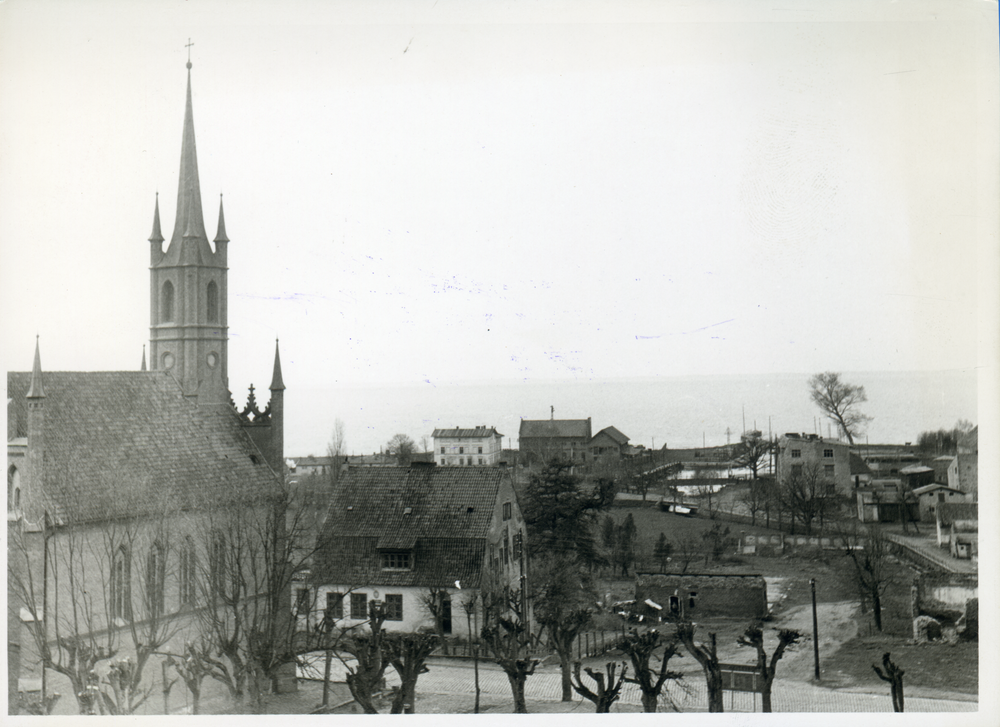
[[128, 443], [442, 514]]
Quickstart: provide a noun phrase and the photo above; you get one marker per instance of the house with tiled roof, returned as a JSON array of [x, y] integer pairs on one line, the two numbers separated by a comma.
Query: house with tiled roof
[[398, 534], [127, 490], [478, 446]]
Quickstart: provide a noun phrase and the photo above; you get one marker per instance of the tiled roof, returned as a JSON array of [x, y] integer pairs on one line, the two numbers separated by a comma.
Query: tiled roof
[[858, 465], [933, 488], [478, 432], [549, 428], [120, 444], [444, 513], [614, 434]]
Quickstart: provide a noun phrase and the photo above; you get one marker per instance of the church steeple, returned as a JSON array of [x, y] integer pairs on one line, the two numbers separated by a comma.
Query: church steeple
[[220, 235], [156, 237], [189, 221], [277, 383], [189, 335], [35, 388]]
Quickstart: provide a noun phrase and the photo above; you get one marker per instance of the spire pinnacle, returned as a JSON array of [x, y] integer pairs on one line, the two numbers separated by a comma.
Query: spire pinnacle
[[220, 236], [156, 235], [189, 221], [143, 357], [35, 388], [277, 383]]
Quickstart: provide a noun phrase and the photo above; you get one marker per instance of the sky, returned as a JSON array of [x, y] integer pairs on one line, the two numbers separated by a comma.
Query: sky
[[439, 191]]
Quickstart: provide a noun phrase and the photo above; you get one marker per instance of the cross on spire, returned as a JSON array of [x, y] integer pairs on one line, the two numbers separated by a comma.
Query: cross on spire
[[188, 46]]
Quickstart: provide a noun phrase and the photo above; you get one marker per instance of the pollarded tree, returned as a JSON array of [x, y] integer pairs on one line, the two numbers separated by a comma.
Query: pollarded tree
[[607, 692], [364, 675], [408, 652], [639, 648], [708, 658], [840, 402], [561, 599], [506, 636], [754, 637]]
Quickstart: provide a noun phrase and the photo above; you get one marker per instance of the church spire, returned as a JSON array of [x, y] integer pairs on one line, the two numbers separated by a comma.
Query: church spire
[[35, 388], [156, 235], [220, 236], [277, 383], [189, 221]]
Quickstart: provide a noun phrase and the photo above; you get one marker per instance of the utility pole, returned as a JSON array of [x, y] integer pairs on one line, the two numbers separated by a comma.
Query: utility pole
[[812, 585]]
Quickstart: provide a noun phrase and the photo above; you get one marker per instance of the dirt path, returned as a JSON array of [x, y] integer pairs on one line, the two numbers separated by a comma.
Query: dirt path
[[837, 625]]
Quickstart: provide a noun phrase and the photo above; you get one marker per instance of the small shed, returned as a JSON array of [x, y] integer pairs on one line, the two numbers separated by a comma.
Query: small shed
[[929, 497]]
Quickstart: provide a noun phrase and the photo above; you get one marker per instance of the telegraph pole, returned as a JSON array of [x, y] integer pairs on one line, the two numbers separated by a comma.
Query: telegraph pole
[[812, 585]]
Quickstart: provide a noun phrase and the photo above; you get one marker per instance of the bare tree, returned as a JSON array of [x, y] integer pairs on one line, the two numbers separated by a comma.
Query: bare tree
[[802, 495], [408, 652], [434, 600], [662, 551], [708, 658], [755, 497], [507, 638], [754, 637], [639, 648], [752, 452], [894, 675], [336, 450], [402, 447], [607, 692], [562, 596], [840, 402], [870, 552], [364, 676]]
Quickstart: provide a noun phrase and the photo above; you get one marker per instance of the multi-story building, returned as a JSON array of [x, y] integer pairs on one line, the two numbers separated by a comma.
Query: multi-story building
[[542, 439], [825, 461], [467, 447]]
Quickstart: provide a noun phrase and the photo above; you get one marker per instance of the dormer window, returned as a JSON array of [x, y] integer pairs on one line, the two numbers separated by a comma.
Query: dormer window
[[396, 560]]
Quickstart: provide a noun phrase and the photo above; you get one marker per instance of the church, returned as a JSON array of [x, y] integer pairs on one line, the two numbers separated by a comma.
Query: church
[[145, 511]]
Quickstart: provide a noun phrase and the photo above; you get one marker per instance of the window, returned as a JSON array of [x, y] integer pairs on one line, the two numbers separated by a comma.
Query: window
[[121, 606], [302, 602], [691, 599], [13, 489], [187, 577], [442, 450], [461, 450], [828, 470], [480, 450], [796, 470], [396, 560], [217, 564], [828, 453], [393, 607], [359, 606], [155, 575], [506, 511], [334, 606], [940, 497], [480, 460], [167, 302], [796, 453], [212, 302]]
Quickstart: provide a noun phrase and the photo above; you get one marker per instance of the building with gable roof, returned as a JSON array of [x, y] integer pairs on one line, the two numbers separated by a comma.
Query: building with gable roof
[[542, 439], [397, 534], [122, 485]]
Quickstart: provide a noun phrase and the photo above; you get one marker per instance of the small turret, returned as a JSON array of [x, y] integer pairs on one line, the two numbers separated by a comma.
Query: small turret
[[35, 388], [156, 237]]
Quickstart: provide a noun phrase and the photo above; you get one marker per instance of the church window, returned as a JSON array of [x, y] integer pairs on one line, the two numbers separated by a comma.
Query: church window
[[121, 587], [167, 302], [187, 579], [217, 564], [156, 568], [212, 302], [13, 489]]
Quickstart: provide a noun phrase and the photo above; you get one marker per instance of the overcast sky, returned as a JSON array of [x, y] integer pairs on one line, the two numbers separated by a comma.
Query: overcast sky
[[424, 192]]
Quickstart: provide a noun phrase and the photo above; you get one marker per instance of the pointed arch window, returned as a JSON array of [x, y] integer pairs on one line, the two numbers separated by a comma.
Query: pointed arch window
[[188, 578], [167, 302], [121, 586], [212, 302], [156, 569], [217, 564], [13, 489]]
